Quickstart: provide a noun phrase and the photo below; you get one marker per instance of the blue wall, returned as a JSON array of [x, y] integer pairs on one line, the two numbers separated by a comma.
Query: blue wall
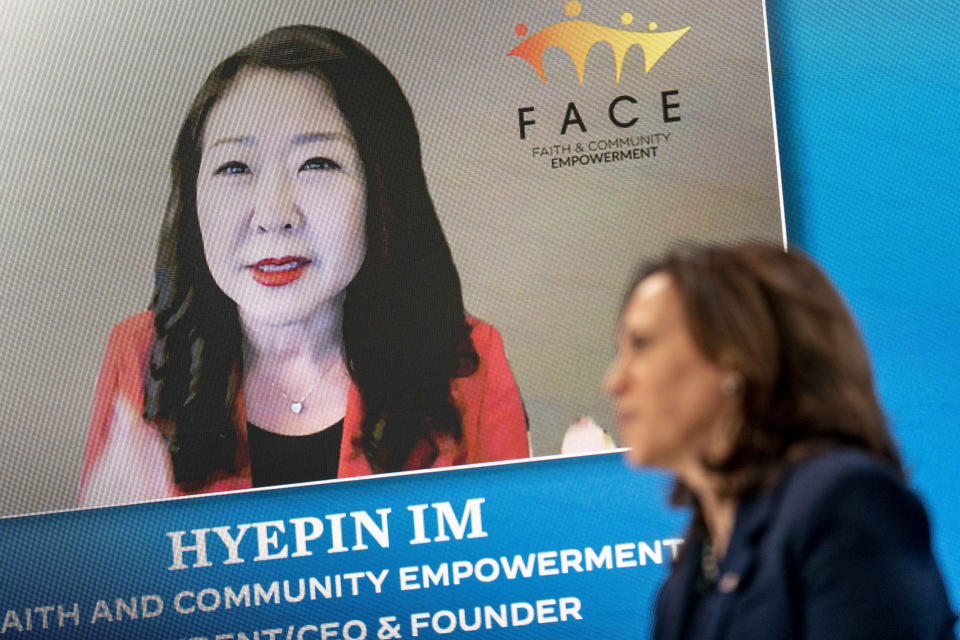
[[868, 106]]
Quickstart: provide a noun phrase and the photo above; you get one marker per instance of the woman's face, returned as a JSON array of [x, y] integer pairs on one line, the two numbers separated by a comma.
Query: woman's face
[[281, 196], [671, 405]]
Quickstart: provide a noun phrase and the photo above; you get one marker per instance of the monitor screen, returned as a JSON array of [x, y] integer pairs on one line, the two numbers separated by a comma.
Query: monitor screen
[[561, 144]]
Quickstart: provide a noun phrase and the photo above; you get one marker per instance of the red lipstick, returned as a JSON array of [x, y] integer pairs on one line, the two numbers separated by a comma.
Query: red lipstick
[[277, 272]]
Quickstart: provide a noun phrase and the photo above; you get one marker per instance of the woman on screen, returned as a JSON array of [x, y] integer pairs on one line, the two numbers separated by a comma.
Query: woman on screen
[[741, 371], [307, 319]]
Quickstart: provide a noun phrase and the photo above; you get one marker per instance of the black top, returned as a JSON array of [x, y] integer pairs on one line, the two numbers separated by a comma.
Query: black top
[[278, 459]]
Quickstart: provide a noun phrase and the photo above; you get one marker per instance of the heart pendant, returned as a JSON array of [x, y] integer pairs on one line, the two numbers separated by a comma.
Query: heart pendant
[[296, 407]]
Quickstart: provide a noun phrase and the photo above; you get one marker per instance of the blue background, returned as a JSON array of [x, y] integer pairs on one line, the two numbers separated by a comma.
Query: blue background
[[82, 556], [868, 101], [868, 104]]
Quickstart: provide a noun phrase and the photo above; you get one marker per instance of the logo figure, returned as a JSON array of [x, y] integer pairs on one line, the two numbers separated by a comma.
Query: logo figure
[[577, 37]]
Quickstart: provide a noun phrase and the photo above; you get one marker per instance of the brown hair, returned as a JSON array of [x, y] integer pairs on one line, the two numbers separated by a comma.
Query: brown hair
[[773, 317]]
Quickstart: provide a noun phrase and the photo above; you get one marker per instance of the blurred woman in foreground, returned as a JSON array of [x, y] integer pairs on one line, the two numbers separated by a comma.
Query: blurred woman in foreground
[[741, 371]]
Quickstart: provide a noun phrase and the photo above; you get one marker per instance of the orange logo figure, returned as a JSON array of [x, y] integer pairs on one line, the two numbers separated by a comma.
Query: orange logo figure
[[577, 37]]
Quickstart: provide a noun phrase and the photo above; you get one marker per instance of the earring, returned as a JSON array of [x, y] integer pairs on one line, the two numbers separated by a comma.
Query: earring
[[730, 386]]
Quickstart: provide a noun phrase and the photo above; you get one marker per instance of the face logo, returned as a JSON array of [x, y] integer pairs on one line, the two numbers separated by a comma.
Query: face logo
[[577, 37]]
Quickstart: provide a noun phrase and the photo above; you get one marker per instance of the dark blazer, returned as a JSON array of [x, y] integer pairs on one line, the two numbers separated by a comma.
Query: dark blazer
[[840, 548]]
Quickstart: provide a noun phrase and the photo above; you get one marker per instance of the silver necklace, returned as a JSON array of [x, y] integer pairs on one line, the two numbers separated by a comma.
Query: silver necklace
[[709, 564], [297, 406]]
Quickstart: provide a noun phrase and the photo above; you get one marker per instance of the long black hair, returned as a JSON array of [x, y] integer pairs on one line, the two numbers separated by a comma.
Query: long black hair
[[405, 333]]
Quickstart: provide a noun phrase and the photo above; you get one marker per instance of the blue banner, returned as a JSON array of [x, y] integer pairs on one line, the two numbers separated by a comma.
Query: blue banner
[[568, 547]]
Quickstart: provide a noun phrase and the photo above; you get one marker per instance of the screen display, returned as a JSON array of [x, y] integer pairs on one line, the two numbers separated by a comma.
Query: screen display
[[562, 144]]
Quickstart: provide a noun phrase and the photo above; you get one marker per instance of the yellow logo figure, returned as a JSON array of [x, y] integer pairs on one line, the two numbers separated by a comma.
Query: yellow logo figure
[[577, 37]]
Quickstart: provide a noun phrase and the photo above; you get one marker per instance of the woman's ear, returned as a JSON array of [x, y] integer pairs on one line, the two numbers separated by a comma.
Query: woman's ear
[[731, 380], [731, 385]]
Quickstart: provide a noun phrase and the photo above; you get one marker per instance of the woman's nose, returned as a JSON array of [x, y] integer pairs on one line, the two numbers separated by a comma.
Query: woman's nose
[[613, 380], [275, 207]]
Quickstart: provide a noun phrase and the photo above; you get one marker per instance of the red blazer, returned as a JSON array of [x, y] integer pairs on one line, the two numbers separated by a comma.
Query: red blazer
[[494, 424]]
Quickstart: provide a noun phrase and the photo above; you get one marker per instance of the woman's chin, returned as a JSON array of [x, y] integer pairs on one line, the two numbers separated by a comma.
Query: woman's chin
[[638, 457], [277, 315], [642, 455], [282, 306]]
